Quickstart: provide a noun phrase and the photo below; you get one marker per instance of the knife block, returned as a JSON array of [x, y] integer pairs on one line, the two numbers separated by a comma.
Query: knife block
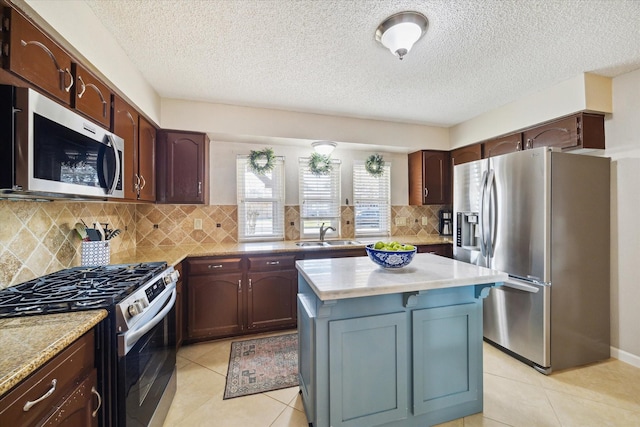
[[95, 253]]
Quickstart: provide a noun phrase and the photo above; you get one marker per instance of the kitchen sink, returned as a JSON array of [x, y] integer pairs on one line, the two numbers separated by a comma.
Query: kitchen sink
[[318, 243]]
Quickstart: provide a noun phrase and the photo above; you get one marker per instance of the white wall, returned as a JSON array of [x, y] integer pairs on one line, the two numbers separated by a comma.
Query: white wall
[[223, 171], [623, 146]]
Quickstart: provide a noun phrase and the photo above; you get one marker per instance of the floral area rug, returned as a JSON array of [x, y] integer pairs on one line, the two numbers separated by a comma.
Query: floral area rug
[[262, 364]]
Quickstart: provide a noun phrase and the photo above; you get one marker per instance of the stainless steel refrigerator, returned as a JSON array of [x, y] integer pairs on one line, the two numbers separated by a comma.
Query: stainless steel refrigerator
[[542, 216]]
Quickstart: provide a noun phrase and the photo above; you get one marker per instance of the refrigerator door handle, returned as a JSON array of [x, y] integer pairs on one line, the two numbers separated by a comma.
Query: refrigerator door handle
[[493, 212], [483, 245], [520, 285]]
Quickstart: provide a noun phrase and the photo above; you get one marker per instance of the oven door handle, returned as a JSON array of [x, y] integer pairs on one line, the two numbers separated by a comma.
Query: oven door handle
[[133, 336]]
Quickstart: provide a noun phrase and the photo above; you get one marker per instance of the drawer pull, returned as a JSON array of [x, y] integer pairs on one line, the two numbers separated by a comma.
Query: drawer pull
[[212, 266], [273, 262], [94, 391], [249, 284], [30, 403]]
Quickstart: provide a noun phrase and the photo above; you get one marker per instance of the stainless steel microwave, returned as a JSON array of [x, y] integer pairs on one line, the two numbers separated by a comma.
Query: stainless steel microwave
[[48, 151]]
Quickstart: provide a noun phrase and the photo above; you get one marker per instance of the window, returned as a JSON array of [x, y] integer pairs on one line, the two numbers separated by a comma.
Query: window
[[319, 200], [372, 201], [260, 201]]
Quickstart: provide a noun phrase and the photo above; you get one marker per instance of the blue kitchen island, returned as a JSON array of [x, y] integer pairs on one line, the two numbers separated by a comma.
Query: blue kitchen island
[[392, 347]]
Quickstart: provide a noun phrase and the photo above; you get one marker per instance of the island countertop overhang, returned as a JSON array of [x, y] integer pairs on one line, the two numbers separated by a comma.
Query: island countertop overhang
[[341, 278]]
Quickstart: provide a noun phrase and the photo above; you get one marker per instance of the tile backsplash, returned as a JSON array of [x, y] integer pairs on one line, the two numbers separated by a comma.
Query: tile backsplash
[[38, 238]]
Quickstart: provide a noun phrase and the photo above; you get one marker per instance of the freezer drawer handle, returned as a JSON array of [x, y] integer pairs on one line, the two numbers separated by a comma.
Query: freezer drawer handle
[[521, 287]]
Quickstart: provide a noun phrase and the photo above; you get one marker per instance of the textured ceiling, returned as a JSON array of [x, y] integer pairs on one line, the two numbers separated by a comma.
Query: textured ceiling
[[321, 56]]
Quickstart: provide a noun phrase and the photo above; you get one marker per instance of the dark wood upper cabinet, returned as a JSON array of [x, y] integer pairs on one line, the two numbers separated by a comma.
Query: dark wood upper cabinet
[[503, 145], [32, 55], [183, 167], [429, 177], [91, 97], [466, 154], [125, 125], [582, 130], [146, 160]]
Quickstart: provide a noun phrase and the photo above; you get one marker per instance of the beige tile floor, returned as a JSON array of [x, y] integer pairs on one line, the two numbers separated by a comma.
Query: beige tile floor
[[602, 394]]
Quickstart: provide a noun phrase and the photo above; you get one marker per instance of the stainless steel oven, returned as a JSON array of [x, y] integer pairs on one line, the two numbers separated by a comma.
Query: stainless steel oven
[[146, 342]]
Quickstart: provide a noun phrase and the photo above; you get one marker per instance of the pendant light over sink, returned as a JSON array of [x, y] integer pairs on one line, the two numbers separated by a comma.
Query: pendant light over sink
[[399, 32]]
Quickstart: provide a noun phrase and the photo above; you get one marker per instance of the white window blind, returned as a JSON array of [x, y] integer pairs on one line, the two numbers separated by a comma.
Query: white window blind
[[319, 200], [372, 201], [260, 201]]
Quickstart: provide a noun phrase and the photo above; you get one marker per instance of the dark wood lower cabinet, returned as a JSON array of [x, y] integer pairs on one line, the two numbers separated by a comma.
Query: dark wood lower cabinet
[[60, 393], [271, 299], [215, 306], [230, 296]]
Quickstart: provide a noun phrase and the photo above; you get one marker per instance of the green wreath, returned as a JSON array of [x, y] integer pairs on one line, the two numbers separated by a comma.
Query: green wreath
[[374, 165], [261, 162], [319, 164]]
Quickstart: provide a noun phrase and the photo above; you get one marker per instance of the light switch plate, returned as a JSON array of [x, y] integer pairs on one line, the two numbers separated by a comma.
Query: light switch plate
[[425, 220], [197, 224], [401, 221]]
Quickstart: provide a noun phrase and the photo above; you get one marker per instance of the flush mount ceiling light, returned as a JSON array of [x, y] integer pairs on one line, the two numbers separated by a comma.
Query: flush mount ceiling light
[[323, 147], [399, 32]]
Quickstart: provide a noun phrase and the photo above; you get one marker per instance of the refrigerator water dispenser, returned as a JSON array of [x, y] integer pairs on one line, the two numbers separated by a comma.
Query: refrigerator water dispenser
[[467, 231]]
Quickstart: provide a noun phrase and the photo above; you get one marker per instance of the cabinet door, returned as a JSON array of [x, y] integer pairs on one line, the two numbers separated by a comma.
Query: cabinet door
[[214, 305], [80, 408], [271, 299], [503, 145], [429, 178], [183, 167], [125, 125], [577, 131], [147, 160], [38, 59], [466, 154], [91, 97], [368, 370], [446, 379]]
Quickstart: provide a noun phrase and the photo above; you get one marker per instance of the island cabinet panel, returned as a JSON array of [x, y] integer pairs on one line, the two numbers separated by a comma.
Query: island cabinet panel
[[368, 370], [404, 359], [443, 380]]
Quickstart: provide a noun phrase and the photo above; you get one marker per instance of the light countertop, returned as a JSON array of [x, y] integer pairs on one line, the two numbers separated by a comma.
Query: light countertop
[[29, 342], [175, 254], [339, 278]]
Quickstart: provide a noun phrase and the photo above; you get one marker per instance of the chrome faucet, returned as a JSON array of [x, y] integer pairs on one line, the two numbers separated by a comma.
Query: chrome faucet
[[323, 231]]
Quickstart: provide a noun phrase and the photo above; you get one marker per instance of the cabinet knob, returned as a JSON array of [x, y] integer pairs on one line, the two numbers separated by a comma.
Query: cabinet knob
[[249, 284], [199, 187], [239, 285]]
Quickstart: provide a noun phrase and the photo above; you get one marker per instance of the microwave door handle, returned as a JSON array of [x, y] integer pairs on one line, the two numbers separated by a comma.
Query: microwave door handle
[[116, 174]]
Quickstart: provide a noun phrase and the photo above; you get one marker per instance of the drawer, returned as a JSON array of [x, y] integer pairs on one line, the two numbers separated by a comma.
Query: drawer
[[65, 371], [272, 263], [214, 265]]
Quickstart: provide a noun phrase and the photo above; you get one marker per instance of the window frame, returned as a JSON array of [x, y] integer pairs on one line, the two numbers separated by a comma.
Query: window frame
[[277, 201], [310, 224], [370, 194]]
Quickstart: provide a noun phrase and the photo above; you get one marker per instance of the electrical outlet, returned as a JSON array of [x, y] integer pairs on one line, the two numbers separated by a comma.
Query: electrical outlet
[[401, 221], [197, 224], [425, 220]]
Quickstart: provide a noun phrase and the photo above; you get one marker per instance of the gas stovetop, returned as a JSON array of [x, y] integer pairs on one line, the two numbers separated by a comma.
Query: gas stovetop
[[78, 288]]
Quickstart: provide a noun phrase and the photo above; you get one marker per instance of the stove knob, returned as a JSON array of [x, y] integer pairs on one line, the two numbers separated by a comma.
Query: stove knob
[[135, 308]]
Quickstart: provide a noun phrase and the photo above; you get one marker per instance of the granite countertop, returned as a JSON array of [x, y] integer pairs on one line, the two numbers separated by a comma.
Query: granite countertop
[[340, 278], [29, 342], [175, 254]]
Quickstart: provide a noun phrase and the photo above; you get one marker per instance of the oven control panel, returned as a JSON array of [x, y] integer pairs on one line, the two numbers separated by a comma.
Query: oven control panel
[[154, 290]]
